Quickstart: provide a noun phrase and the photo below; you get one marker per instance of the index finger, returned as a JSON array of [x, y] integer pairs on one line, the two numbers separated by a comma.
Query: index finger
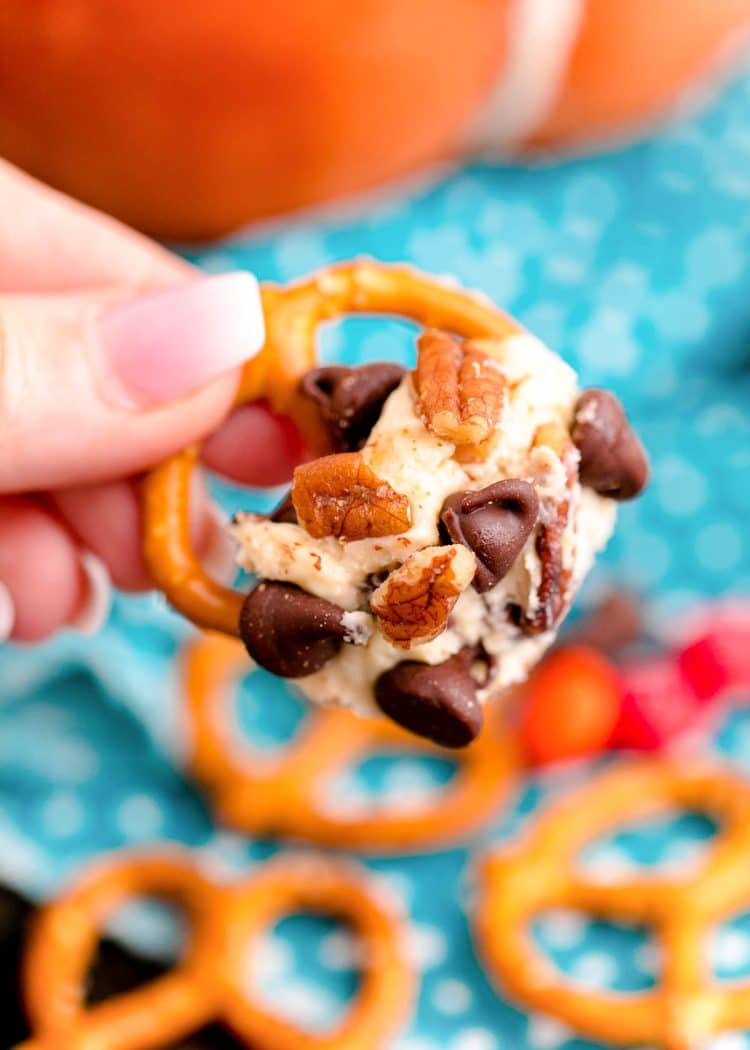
[[51, 243]]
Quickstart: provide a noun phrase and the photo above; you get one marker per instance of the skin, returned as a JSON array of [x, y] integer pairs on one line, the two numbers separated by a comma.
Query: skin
[[50, 245]]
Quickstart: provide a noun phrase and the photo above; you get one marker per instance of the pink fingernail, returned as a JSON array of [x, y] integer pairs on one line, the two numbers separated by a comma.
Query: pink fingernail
[[94, 609], [7, 613], [163, 345]]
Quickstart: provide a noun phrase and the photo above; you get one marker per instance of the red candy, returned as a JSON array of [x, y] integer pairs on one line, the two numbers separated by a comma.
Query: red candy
[[717, 660], [658, 705], [570, 705]]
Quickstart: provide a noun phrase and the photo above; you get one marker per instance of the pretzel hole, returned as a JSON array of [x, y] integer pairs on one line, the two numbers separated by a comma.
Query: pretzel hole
[[264, 716], [596, 953], [668, 842], [394, 780], [360, 340], [307, 968], [729, 948], [153, 929]]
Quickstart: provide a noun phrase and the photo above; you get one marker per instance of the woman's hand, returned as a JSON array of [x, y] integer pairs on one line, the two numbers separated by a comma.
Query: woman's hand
[[113, 354]]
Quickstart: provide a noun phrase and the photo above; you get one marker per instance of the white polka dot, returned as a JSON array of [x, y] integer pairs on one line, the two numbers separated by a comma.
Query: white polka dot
[[730, 1041], [475, 1039], [562, 929], [714, 258], [274, 958], [730, 950], [591, 196], [451, 997], [63, 814], [647, 557], [427, 946], [718, 547], [648, 958], [624, 287], [218, 262], [680, 488], [140, 817], [225, 855], [409, 783], [340, 950], [565, 269], [299, 251], [71, 760], [680, 316], [607, 345], [721, 418], [397, 883], [608, 863], [306, 1004], [595, 969], [547, 1033]]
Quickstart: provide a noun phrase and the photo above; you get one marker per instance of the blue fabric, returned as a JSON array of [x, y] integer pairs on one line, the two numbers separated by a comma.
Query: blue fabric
[[636, 266]]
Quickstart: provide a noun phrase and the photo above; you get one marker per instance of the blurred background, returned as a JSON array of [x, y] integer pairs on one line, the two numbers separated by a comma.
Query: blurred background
[[586, 163]]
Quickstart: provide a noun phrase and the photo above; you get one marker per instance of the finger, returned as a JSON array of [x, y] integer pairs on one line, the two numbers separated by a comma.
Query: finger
[[46, 582], [52, 243], [106, 520], [255, 447], [97, 387]]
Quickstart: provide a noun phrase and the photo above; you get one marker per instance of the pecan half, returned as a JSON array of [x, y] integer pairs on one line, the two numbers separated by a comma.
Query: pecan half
[[460, 388], [415, 601], [340, 496]]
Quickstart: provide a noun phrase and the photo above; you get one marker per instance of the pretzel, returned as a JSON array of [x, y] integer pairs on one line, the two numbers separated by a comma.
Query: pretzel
[[687, 1008], [292, 316], [211, 982], [283, 795]]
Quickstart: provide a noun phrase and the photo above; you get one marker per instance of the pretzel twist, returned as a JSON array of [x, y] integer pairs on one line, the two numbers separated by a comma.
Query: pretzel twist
[[283, 795], [687, 1008], [211, 982], [292, 316]]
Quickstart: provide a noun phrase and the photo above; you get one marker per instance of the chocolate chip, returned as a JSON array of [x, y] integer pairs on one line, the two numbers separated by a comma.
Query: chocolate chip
[[613, 461], [288, 631], [285, 513], [434, 701], [494, 523], [350, 400]]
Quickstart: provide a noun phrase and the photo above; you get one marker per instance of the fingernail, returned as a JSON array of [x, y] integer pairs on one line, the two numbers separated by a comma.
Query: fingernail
[[219, 557], [94, 609], [7, 613], [163, 345]]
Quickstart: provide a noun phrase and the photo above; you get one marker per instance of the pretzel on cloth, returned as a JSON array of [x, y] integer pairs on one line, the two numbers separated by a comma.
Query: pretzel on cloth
[[284, 795], [292, 316], [687, 1007], [211, 982]]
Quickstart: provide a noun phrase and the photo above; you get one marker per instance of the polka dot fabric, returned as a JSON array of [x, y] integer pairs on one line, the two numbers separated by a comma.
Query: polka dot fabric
[[636, 266]]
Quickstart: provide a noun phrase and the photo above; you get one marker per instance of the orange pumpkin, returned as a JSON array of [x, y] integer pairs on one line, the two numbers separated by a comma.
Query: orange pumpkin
[[189, 118]]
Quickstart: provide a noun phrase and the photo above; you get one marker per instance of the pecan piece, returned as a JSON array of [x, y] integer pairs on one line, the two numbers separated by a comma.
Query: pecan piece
[[460, 389], [341, 496], [415, 601]]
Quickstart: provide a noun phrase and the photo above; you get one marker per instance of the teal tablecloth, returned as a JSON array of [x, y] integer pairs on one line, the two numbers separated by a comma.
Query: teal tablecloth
[[636, 266]]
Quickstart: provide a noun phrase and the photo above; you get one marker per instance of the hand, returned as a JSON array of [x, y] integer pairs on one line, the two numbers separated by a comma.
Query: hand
[[113, 354]]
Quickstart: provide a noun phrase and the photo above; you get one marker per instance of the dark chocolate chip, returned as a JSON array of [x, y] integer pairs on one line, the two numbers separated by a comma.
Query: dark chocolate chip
[[613, 461], [288, 631], [434, 701], [285, 513], [350, 400], [494, 523]]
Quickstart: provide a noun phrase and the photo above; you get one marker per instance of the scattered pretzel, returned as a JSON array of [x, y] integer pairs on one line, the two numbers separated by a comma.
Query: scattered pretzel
[[211, 982], [283, 795], [688, 1007], [292, 316]]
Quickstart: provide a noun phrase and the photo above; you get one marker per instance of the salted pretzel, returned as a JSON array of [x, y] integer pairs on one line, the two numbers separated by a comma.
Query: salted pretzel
[[283, 795], [292, 316], [212, 981], [687, 1007]]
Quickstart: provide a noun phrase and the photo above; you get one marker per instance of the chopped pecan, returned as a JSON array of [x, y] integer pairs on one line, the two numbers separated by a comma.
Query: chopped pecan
[[341, 496], [552, 594], [415, 601], [460, 387], [554, 436]]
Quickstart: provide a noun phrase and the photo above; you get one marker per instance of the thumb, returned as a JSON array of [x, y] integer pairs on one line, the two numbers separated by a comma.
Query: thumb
[[96, 386]]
